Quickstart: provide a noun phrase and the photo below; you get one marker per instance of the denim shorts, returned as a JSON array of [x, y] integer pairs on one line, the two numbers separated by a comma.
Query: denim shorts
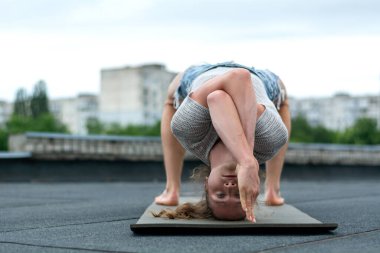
[[275, 91]]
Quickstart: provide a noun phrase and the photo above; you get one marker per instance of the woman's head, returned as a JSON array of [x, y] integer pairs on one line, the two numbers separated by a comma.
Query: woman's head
[[221, 199], [222, 193]]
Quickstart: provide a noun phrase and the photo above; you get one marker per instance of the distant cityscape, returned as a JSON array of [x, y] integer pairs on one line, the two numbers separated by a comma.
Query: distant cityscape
[[135, 95]]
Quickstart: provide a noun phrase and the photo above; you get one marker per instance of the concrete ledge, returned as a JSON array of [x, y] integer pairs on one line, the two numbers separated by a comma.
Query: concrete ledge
[[99, 147], [333, 154], [15, 155]]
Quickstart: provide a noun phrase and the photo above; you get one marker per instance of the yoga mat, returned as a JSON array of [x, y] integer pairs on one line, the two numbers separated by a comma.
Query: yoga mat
[[270, 219]]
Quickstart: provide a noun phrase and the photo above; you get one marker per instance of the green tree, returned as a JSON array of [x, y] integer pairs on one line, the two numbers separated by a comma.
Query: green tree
[[3, 139], [32, 113], [141, 130], [301, 130], [21, 104], [48, 123], [154, 130], [19, 124], [44, 123], [364, 131], [115, 129], [39, 102], [94, 126], [321, 134]]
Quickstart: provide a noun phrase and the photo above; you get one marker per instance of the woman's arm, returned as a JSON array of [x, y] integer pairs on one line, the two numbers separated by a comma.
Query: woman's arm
[[237, 84], [232, 103]]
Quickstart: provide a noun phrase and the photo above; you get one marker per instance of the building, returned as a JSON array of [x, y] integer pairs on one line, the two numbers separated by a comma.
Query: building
[[133, 95], [74, 112], [337, 112], [5, 112]]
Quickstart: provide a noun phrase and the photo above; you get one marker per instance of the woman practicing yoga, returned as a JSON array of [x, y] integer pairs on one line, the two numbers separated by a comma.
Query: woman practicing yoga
[[232, 118]]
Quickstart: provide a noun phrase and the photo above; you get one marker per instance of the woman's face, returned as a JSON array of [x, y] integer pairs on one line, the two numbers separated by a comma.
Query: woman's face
[[223, 193]]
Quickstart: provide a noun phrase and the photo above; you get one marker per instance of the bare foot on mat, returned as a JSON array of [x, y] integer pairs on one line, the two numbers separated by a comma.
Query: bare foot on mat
[[167, 198], [273, 198]]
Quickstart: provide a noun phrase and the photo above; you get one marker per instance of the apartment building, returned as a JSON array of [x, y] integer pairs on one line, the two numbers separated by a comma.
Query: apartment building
[[74, 112], [133, 95], [337, 112], [5, 112]]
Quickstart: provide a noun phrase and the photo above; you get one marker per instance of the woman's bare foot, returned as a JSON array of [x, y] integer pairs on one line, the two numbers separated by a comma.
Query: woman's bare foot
[[167, 198], [273, 198]]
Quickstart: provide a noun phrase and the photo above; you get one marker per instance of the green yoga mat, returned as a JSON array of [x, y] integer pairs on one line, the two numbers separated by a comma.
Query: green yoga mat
[[270, 219]]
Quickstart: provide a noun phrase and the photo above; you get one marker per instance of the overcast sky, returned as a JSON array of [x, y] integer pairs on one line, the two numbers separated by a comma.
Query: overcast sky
[[317, 47]]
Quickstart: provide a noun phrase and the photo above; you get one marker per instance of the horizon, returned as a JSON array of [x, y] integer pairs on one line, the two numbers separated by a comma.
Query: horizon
[[337, 93]]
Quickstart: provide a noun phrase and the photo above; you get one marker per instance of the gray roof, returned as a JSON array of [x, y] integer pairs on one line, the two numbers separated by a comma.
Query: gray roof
[[81, 217]]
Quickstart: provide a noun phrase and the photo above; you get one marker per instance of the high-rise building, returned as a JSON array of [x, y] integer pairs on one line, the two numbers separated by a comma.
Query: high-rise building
[[133, 95]]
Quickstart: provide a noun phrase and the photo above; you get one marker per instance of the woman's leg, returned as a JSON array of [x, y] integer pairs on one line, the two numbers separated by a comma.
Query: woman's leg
[[173, 153], [275, 165]]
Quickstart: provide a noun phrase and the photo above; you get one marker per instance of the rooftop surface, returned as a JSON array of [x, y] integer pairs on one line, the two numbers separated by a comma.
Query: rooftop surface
[[95, 217]]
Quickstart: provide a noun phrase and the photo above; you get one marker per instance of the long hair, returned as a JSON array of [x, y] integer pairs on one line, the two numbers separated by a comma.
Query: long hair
[[199, 210]]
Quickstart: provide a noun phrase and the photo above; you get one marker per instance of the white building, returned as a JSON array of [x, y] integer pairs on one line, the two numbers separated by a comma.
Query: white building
[[5, 112], [337, 112], [133, 95], [74, 112]]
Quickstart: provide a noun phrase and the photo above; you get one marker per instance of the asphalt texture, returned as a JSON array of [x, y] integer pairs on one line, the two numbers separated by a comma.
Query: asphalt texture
[[95, 217]]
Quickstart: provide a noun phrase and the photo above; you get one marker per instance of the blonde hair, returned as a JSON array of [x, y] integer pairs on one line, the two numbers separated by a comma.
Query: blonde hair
[[187, 211], [199, 210]]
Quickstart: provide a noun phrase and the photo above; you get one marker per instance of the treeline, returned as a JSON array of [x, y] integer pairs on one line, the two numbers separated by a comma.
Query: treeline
[[95, 126], [31, 113], [363, 132]]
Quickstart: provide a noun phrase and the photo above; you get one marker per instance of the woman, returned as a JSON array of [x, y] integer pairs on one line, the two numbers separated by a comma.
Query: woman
[[221, 113]]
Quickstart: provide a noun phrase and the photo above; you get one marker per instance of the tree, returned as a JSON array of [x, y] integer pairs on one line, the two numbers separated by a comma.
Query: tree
[[364, 131], [301, 130], [94, 126], [21, 104], [321, 134], [3, 139], [39, 102], [44, 123], [32, 113], [18, 124]]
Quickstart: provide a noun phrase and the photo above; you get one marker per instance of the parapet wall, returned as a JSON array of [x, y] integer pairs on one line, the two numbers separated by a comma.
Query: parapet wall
[[96, 147]]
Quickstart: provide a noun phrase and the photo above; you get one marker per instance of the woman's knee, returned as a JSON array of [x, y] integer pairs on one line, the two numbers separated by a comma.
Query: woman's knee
[[238, 78], [239, 74], [217, 96]]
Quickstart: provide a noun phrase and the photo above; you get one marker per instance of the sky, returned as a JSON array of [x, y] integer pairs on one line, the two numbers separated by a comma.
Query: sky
[[318, 48]]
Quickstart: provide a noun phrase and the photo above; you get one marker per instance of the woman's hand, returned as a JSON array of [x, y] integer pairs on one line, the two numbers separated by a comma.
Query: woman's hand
[[249, 186]]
